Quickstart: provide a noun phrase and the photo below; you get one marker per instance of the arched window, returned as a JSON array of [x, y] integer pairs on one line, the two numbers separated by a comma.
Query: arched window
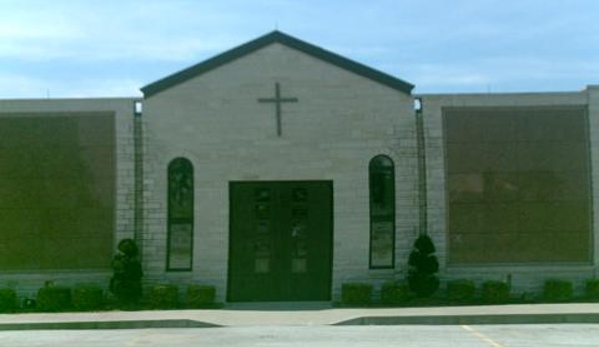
[[382, 212], [180, 215]]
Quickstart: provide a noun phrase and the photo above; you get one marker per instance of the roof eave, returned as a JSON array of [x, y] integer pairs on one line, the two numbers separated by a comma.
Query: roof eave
[[263, 41]]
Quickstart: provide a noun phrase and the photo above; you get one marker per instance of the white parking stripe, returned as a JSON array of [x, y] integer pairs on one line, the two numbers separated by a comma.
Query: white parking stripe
[[481, 336]]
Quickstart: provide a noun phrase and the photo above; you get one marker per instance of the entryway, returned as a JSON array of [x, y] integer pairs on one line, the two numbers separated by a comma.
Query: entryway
[[280, 241]]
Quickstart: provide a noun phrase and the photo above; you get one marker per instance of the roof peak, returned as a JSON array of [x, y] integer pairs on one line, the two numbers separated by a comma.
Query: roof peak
[[265, 40]]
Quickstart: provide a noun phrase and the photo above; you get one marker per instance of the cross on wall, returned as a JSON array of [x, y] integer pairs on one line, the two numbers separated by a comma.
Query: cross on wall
[[277, 100]]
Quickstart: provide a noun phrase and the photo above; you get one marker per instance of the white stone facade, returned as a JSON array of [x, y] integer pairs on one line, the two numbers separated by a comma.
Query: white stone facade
[[341, 121]]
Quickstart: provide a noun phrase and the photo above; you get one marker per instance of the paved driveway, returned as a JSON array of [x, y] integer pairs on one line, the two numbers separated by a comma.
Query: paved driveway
[[579, 335]]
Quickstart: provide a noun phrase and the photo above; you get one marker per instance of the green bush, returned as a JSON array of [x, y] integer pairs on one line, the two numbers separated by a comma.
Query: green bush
[[461, 290], [88, 298], [423, 265], [592, 289], [125, 283], [495, 291], [54, 299], [8, 300], [358, 294], [393, 293], [164, 296], [557, 290], [200, 296]]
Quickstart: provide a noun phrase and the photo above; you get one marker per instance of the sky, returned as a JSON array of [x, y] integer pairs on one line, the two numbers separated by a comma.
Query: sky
[[112, 48]]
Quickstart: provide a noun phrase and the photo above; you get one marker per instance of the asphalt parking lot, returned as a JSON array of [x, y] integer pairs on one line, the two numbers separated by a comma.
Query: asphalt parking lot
[[545, 335]]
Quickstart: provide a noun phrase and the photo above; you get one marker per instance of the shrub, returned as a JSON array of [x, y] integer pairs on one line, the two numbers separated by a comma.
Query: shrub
[[359, 294], [393, 293], [592, 289], [88, 298], [125, 283], [199, 296], [461, 290], [53, 299], [557, 290], [8, 300], [164, 296], [423, 265], [29, 304], [495, 291]]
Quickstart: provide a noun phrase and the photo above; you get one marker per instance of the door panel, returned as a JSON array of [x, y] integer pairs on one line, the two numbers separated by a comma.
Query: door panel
[[280, 241]]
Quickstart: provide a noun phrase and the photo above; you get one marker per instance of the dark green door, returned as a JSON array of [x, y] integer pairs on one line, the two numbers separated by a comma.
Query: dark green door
[[280, 245]]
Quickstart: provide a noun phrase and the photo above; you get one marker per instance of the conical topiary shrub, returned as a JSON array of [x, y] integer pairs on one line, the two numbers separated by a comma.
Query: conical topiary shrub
[[423, 266], [126, 281]]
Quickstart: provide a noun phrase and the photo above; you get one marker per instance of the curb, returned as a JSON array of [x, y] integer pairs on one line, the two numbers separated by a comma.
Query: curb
[[467, 319], [126, 324], [568, 318]]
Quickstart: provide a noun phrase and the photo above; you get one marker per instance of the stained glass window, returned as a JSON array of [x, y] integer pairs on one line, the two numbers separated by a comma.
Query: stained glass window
[[382, 212], [180, 215]]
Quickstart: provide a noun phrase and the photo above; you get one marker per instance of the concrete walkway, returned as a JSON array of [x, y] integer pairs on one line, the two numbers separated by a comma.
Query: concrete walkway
[[305, 315]]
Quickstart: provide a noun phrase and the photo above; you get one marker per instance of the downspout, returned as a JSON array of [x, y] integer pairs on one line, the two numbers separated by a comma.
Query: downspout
[[138, 176], [421, 153]]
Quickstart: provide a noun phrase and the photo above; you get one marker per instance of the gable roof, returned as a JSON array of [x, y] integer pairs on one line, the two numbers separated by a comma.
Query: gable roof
[[284, 39]]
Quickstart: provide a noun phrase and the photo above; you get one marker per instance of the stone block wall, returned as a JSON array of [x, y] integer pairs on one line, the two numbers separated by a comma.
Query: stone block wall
[[341, 121]]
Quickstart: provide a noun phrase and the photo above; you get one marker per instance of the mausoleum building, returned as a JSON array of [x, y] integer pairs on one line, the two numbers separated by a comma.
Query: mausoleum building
[[278, 170]]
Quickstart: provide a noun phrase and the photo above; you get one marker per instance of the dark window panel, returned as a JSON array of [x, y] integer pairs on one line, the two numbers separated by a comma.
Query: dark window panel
[[462, 127], [58, 162], [17, 132], [465, 158], [500, 217], [573, 186], [466, 218], [59, 131], [497, 126], [97, 161], [573, 246], [571, 156], [18, 162], [45, 189], [547, 124], [464, 188], [500, 186], [95, 131], [536, 156], [536, 248], [103, 216], [20, 223], [13, 257], [501, 245], [540, 186], [553, 156], [574, 216], [498, 156], [466, 248], [517, 172], [19, 193], [537, 217]]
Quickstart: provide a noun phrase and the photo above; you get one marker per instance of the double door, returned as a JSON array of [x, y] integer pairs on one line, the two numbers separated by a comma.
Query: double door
[[280, 241]]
